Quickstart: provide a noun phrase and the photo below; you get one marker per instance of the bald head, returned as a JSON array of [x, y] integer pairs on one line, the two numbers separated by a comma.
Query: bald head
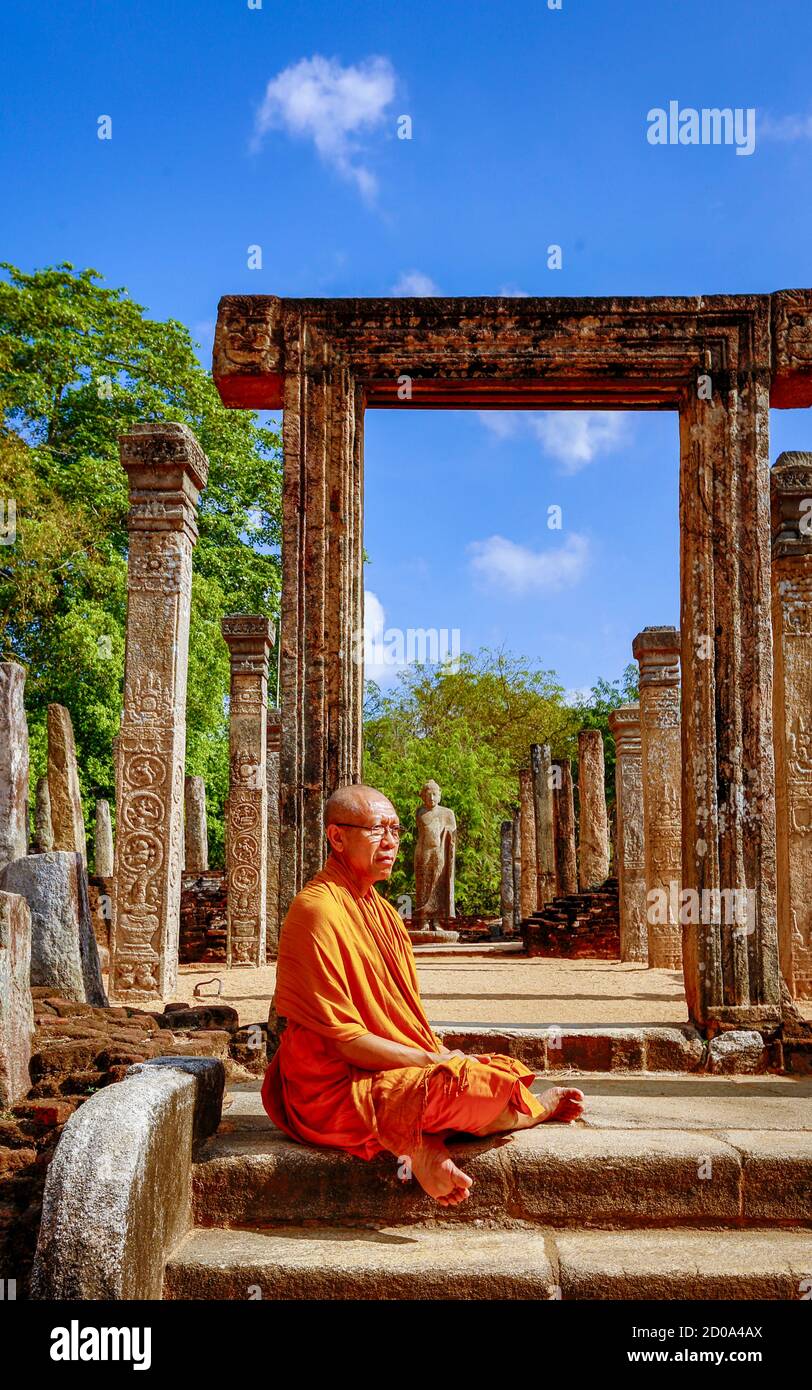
[[356, 803]]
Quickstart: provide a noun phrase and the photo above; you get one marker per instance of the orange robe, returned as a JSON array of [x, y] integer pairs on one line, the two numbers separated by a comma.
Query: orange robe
[[345, 968]]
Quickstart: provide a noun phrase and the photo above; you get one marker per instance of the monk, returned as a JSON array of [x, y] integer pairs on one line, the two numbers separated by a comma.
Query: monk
[[358, 1067]]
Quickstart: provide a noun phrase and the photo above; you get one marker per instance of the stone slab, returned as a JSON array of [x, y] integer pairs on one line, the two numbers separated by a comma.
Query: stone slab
[[64, 954], [16, 1004]]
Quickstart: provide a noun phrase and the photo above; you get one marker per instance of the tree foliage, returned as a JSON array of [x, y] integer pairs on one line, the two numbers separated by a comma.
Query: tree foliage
[[80, 363]]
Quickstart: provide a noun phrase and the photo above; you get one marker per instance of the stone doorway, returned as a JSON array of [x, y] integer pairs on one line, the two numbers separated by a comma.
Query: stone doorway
[[721, 361]]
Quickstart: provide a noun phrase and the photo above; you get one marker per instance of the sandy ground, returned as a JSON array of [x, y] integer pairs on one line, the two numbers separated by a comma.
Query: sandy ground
[[535, 991]]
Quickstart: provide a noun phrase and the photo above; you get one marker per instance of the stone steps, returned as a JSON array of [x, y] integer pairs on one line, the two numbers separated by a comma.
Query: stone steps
[[669, 1151], [585, 1047], [446, 1261]]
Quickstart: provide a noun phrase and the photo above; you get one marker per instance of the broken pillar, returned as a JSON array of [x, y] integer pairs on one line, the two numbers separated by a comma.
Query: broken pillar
[[593, 839], [103, 841], [517, 869], [624, 724], [566, 859], [540, 766], [43, 829], [657, 650], [16, 1005], [527, 824], [67, 817], [13, 764], [506, 868], [196, 832], [167, 470]]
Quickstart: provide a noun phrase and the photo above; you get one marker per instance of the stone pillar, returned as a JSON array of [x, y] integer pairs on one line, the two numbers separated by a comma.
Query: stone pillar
[[67, 817], [543, 811], [274, 739], [527, 823], [167, 470], [566, 860], [657, 650], [593, 840], [249, 638], [13, 764], [103, 841], [517, 870], [64, 954], [43, 828], [506, 865], [631, 858], [792, 713], [196, 833], [16, 1006]]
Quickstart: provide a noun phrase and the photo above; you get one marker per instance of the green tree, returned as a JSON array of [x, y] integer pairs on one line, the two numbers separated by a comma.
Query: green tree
[[593, 713], [80, 363]]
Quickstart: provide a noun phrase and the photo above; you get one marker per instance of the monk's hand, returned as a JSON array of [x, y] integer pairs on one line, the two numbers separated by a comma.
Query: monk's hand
[[446, 1052]]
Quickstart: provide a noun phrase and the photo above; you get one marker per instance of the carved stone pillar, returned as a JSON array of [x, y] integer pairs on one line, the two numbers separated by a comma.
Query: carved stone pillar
[[593, 825], [527, 824], [566, 859], [274, 739], [657, 650], [631, 858], [543, 808], [517, 870], [792, 713], [67, 817], [249, 638], [167, 470]]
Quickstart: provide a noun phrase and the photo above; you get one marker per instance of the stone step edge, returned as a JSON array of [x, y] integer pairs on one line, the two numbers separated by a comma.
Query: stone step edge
[[541, 1262], [649, 1048]]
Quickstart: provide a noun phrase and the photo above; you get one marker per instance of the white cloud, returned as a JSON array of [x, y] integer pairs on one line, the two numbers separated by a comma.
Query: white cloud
[[317, 99], [413, 283], [519, 570], [576, 437], [375, 642], [784, 127], [504, 424]]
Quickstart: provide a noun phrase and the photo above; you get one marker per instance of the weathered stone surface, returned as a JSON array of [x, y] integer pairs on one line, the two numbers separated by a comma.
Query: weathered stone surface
[[13, 764], [196, 834], [43, 828], [593, 826], [517, 870], [506, 876], [657, 649], [434, 860], [791, 481], [540, 767], [249, 638], [527, 838], [103, 841], [566, 860], [64, 955], [67, 817], [167, 470], [16, 1006], [117, 1192], [624, 724], [272, 754], [210, 1081], [739, 1050]]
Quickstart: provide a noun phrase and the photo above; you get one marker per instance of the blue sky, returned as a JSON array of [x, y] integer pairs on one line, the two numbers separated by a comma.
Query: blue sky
[[276, 126]]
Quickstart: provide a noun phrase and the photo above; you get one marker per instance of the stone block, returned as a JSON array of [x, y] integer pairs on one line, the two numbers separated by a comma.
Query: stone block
[[741, 1051], [63, 947]]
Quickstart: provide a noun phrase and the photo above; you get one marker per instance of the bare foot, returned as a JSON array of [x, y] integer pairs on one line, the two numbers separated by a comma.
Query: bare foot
[[562, 1103], [438, 1174]]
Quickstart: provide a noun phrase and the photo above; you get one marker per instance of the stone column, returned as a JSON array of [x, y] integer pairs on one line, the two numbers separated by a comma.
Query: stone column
[[274, 737], [103, 841], [631, 859], [792, 712], [527, 822], [566, 860], [517, 870], [13, 764], [249, 638], [43, 828], [543, 810], [506, 866], [196, 833], [16, 1006], [657, 650], [593, 843], [167, 470], [67, 817]]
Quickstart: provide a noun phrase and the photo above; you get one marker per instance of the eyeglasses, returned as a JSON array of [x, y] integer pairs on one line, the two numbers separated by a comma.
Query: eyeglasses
[[375, 832]]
